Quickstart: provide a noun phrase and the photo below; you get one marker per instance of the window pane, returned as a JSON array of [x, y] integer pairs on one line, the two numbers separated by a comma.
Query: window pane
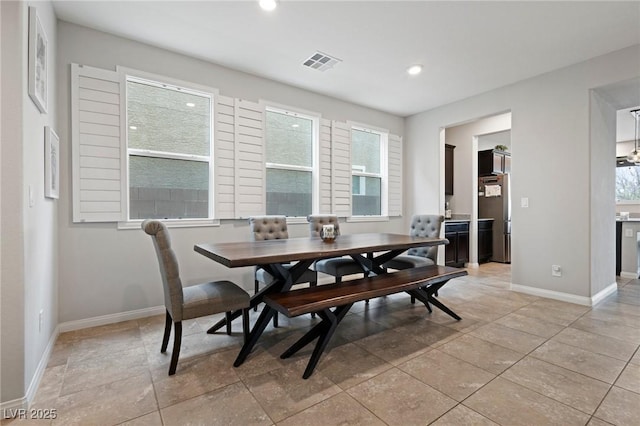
[[366, 196], [628, 183], [365, 151], [168, 120], [289, 139], [288, 192], [171, 189]]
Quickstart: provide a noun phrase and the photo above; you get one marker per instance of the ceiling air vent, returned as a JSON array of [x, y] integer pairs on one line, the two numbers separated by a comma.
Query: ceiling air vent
[[321, 61]]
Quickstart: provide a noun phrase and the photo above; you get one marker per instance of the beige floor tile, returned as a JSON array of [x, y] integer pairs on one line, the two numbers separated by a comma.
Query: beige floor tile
[[399, 399], [152, 329], [615, 317], [630, 378], [597, 422], [192, 346], [429, 332], [449, 375], [337, 410], [112, 403], [618, 308], [635, 359], [50, 384], [151, 419], [508, 403], [483, 354], [231, 405], [561, 306], [620, 407], [549, 314], [283, 392], [393, 346], [85, 333], [112, 342], [596, 343], [88, 373], [609, 329], [194, 377], [461, 415], [485, 312], [584, 362], [568, 387], [355, 327], [530, 325], [509, 338], [348, 365]]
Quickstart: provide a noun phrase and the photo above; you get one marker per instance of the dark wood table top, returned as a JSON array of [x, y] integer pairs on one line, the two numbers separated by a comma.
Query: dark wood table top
[[249, 253]]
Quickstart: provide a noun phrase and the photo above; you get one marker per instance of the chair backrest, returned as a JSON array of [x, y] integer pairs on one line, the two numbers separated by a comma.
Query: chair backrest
[[317, 220], [169, 270], [269, 227], [426, 225]]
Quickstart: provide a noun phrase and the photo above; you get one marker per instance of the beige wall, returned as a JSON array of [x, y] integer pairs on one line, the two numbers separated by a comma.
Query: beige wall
[[105, 271], [551, 167]]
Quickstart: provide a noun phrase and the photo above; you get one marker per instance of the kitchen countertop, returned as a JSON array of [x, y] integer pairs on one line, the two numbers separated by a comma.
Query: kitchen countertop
[[464, 220]]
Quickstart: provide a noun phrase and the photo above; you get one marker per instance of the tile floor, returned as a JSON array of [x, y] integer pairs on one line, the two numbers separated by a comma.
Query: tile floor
[[514, 359]]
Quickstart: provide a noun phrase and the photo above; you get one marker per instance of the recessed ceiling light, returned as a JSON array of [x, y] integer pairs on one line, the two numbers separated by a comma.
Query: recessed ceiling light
[[133, 127], [414, 69], [268, 5], [295, 125], [191, 104]]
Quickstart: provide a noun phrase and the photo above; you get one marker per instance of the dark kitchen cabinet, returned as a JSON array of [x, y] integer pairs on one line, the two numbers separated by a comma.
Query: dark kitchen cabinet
[[485, 240], [448, 169], [456, 253], [493, 162]]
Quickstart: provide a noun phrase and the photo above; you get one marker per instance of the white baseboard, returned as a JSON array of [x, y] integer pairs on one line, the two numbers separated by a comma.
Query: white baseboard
[[111, 318], [473, 265], [631, 275], [566, 297], [9, 409]]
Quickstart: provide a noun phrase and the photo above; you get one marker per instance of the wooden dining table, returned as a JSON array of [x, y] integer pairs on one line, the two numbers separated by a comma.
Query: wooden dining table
[[370, 251]]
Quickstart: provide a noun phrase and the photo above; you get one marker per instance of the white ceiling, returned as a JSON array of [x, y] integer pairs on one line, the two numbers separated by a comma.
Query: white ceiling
[[466, 47]]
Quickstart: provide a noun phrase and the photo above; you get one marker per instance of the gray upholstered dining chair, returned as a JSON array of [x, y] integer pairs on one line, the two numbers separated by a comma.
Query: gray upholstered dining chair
[[274, 227], [194, 301], [337, 266], [422, 225]]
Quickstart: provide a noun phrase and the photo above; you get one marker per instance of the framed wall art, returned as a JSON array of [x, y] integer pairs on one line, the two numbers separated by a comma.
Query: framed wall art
[[38, 45], [51, 163]]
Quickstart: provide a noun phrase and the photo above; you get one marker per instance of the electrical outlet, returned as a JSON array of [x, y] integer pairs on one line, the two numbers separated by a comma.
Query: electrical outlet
[[556, 270], [40, 319], [524, 202], [628, 233]]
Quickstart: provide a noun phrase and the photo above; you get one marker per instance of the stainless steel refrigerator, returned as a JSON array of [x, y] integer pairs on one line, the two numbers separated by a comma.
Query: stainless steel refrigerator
[[494, 202]]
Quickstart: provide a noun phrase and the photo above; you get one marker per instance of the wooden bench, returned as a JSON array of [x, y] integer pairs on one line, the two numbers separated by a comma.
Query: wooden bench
[[421, 283]]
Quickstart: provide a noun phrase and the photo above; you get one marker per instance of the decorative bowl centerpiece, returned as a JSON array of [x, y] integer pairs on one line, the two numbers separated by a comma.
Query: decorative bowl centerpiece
[[328, 233]]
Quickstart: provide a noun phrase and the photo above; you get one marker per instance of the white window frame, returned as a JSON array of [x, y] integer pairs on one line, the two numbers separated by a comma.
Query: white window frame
[[128, 74], [315, 153], [383, 175]]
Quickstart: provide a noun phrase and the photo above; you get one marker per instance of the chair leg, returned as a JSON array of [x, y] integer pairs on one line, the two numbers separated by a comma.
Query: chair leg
[[167, 333], [176, 347], [313, 284], [245, 324], [338, 280], [229, 319], [413, 300], [275, 320], [256, 287]]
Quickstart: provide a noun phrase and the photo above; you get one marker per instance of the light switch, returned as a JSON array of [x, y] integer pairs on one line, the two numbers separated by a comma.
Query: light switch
[[628, 232], [524, 202], [32, 200]]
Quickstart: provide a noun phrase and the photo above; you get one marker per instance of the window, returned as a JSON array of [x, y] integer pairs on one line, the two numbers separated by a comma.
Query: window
[[169, 151], [628, 183], [290, 159], [367, 171]]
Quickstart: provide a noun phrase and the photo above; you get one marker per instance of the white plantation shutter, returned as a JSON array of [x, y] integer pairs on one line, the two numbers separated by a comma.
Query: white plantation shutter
[[325, 166], [341, 169], [249, 159], [394, 158], [98, 156], [225, 158]]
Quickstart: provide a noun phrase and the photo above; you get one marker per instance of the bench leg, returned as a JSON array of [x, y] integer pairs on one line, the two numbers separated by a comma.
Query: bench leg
[[331, 323], [443, 307], [263, 320], [421, 296]]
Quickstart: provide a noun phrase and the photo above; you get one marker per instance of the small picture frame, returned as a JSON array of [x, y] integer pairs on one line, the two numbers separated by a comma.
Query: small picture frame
[[51, 163], [38, 55]]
